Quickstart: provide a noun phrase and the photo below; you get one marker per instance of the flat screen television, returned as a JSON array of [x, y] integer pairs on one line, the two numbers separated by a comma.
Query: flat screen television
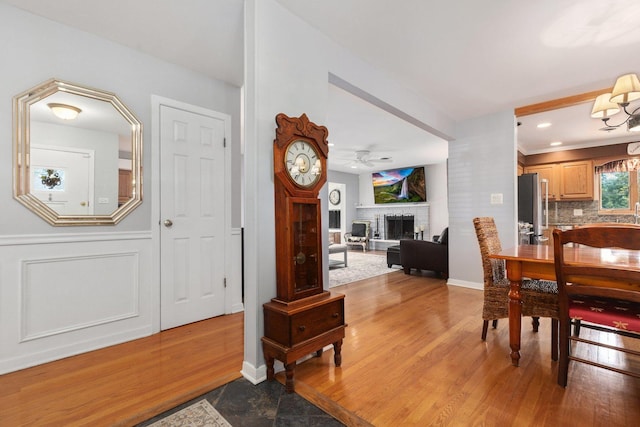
[[406, 185]]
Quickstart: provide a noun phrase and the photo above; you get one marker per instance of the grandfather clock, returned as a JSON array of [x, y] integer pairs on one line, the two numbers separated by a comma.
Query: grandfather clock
[[303, 318]]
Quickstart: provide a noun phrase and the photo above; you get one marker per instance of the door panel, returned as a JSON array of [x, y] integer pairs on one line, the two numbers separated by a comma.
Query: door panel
[[192, 172], [74, 194]]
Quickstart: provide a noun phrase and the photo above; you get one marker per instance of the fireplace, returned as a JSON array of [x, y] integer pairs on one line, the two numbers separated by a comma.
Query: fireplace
[[398, 227]]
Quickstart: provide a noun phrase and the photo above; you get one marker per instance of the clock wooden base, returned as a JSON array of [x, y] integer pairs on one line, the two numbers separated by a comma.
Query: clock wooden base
[[296, 329]]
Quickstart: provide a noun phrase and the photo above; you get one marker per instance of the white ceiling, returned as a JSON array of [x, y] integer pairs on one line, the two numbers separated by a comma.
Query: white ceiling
[[355, 124], [468, 57]]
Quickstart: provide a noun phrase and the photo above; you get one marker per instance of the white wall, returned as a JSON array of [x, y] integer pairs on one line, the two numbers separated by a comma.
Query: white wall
[[116, 304], [351, 195], [482, 161], [288, 66], [438, 197], [37, 49]]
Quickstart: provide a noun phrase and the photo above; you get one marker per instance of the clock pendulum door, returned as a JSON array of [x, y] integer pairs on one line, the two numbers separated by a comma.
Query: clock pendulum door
[[307, 271]]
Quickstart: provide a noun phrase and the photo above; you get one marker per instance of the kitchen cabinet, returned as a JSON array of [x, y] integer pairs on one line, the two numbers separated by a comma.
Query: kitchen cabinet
[[576, 180], [125, 189], [568, 180], [550, 173]]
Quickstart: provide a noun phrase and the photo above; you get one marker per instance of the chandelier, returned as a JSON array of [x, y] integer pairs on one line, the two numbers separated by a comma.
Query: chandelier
[[625, 91]]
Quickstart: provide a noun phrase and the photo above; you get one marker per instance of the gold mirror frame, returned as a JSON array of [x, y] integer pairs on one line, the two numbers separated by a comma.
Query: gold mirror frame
[[22, 154]]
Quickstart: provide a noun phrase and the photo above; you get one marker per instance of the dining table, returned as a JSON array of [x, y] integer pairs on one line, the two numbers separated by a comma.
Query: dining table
[[537, 262]]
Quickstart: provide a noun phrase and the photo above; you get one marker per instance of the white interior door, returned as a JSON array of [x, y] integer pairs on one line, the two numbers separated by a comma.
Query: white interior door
[[72, 194], [192, 253]]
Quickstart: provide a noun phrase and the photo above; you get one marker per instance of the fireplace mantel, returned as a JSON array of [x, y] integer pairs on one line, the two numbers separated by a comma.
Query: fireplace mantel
[[393, 206]]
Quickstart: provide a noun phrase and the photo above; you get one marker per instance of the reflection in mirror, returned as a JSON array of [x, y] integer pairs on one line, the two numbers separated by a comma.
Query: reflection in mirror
[[78, 154]]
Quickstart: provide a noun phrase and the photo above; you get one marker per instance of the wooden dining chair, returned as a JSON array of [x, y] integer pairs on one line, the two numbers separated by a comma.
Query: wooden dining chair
[[539, 297], [577, 322], [605, 297]]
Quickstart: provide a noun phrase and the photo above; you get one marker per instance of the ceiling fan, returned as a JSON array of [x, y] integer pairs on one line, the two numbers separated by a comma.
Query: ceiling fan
[[364, 158]]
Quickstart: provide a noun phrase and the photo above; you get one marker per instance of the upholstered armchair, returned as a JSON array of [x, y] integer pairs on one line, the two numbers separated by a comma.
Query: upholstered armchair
[[359, 234]]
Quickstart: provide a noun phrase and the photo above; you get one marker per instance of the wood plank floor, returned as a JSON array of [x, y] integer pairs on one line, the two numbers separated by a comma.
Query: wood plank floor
[[127, 383], [412, 356]]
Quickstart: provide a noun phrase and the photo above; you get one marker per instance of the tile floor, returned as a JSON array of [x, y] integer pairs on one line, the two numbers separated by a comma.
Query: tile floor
[[243, 404]]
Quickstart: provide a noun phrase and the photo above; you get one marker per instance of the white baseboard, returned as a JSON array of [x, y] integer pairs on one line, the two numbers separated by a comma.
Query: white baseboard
[[465, 284], [253, 374], [27, 360], [237, 308]]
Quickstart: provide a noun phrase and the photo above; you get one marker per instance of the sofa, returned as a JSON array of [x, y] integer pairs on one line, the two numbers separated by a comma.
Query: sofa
[[426, 255]]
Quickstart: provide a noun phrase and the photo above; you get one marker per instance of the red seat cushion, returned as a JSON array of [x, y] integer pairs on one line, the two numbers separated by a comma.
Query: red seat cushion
[[617, 314]]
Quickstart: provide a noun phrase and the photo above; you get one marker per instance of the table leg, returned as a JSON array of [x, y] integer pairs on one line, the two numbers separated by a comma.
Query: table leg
[[289, 372], [514, 273], [337, 355], [271, 375]]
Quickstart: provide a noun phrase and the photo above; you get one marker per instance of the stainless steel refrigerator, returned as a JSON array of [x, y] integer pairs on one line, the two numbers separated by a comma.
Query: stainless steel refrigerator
[[531, 213]]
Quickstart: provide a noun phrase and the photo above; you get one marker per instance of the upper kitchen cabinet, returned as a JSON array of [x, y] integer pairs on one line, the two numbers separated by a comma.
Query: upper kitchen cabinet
[[567, 180], [576, 180], [548, 172]]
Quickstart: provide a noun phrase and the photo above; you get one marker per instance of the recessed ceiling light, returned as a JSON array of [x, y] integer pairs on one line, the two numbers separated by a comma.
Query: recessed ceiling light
[[330, 144], [354, 167], [555, 143], [543, 125]]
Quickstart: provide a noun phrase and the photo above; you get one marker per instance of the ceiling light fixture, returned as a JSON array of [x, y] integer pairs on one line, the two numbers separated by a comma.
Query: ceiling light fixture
[[626, 90], [64, 111], [555, 143], [543, 125]]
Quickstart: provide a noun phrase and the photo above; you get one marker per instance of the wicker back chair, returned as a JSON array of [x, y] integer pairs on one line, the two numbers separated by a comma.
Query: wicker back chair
[[539, 297]]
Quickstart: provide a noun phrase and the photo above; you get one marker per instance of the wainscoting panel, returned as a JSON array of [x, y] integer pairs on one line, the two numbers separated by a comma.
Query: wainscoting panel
[[67, 294], [93, 289]]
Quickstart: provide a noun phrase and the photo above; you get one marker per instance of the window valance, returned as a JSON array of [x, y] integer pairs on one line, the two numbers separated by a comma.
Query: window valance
[[623, 165]]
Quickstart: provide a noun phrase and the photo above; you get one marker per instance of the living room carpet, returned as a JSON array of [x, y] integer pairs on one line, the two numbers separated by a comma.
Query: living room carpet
[[360, 266]]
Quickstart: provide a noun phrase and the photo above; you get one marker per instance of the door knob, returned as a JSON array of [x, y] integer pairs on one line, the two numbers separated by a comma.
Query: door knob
[[168, 223]]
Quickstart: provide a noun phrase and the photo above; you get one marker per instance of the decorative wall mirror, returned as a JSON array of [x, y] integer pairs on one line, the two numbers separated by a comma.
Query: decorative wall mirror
[[78, 154]]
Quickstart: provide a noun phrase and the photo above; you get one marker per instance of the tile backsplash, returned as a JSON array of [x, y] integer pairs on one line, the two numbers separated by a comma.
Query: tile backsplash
[[562, 213]]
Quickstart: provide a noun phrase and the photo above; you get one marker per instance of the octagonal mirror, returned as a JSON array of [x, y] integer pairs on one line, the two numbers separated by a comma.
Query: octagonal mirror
[[78, 154]]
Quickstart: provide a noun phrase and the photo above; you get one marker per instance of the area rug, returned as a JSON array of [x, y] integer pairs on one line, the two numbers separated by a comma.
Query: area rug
[[200, 414], [360, 266]]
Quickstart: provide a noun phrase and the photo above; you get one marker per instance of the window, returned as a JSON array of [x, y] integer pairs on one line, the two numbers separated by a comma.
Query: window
[[618, 191]]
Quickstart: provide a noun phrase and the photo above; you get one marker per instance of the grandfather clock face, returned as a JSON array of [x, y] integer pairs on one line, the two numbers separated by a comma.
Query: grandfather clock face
[[300, 155], [302, 163]]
